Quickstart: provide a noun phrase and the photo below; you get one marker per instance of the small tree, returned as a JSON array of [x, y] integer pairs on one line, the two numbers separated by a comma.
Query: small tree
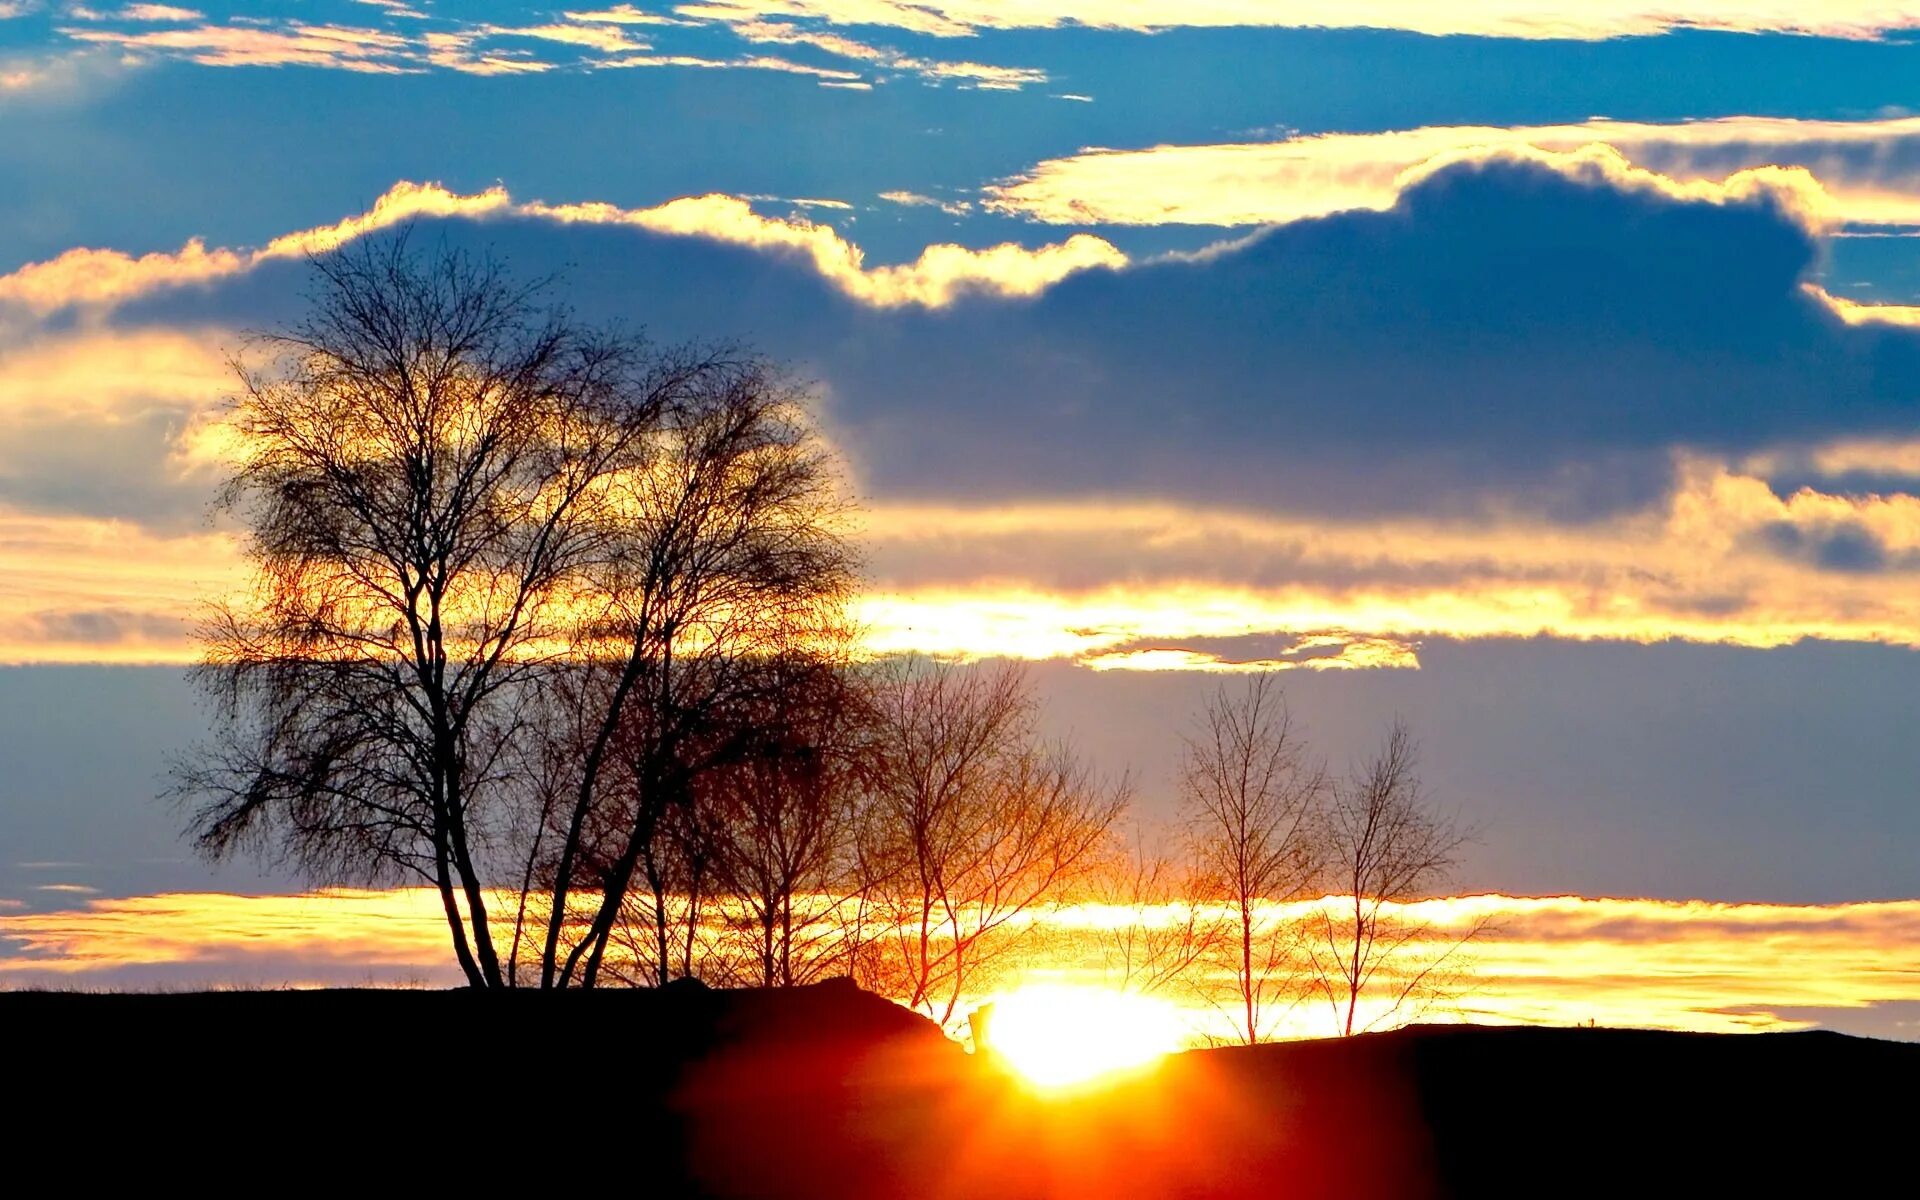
[[1252, 801], [787, 820], [1155, 928], [970, 826], [1386, 847]]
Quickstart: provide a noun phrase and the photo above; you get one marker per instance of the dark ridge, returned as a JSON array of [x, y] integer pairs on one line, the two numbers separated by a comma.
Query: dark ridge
[[830, 1092]]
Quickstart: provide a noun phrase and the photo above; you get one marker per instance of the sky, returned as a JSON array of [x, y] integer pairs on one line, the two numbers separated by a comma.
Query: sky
[[1542, 372]]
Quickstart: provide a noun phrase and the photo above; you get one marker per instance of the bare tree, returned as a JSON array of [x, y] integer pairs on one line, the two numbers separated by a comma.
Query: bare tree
[[423, 472], [1154, 925], [674, 923], [1251, 801], [787, 823], [730, 555], [970, 826], [1386, 847]]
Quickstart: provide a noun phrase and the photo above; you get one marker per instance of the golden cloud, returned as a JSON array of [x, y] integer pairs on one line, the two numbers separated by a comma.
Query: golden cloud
[[1320, 652], [1259, 183], [1726, 560], [104, 278], [1115, 584]]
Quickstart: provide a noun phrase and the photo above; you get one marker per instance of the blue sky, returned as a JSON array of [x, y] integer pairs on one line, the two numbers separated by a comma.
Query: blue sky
[[1557, 387]]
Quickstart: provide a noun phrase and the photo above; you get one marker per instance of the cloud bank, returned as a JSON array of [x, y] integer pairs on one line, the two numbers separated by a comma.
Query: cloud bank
[[1539, 394]]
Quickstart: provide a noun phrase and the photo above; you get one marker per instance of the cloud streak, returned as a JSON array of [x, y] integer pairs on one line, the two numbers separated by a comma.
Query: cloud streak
[[400, 39], [1867, 172], [1590, 20], [101, 279]]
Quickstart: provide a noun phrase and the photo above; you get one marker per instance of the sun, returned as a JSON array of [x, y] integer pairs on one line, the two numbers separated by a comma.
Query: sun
[[1057, 1035]]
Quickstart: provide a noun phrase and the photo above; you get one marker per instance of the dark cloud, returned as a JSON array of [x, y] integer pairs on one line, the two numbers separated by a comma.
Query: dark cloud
[[102, 626], [1893, 1019], [1511, 330]]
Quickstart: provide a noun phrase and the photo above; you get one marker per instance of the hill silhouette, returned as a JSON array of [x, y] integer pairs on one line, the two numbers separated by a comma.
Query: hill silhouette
[[827, 1091]]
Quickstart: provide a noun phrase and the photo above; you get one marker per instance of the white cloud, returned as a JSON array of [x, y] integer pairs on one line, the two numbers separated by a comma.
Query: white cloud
[[154, 13], [910, 199], [971, 74]]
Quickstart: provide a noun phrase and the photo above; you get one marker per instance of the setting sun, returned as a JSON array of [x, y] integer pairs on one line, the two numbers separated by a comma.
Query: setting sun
[[1055, 1035]]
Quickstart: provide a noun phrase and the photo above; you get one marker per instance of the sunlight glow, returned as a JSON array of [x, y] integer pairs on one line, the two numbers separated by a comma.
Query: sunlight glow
[[1056, 1035]]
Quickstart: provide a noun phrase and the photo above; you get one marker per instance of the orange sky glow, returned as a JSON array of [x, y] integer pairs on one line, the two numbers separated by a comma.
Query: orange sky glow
[[1557, 960]]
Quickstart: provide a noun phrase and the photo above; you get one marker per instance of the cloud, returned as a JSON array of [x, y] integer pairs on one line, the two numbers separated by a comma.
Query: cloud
[[1321, 652], [908, 199], [89, 590], [156, 13], [397, 38], [57, 77], [1581, 19], [112, 424], [1868, 172], [621, 14], [828, 76], [607, 39], [105, 278], [941, 274], [1725, 560], [409, 41], [1542, 394], [343, 47], [1547, 327], [972, 74]]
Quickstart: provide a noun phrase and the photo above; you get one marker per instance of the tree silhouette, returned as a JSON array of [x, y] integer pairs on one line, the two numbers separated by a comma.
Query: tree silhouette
[[422, 472], [728, 565], [970, 825], [1251, 801], [1385, 847], [497, 557]]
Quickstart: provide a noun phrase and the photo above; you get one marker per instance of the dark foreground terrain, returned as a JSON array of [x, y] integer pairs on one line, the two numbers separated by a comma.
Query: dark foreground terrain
[[830, 1092]]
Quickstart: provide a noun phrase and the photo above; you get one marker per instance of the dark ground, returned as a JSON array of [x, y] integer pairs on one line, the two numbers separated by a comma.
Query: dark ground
[[830, 1092]]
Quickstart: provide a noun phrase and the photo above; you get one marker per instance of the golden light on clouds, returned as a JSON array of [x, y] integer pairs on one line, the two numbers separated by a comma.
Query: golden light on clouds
[[1666, 964], [105, 278], [1832, 171], [110, 442], [1123, 587]]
